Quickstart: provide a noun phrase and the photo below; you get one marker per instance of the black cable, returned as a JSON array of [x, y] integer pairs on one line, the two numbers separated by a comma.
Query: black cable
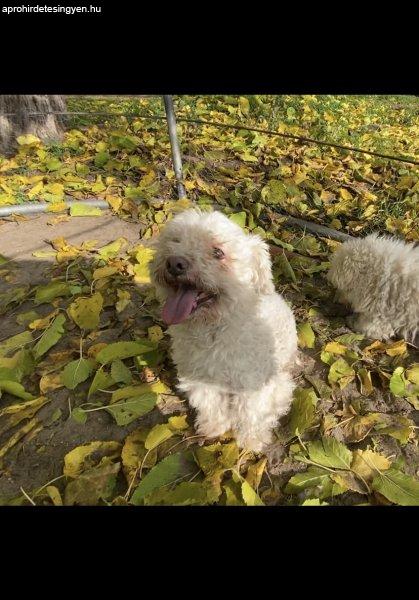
[[230, 126]]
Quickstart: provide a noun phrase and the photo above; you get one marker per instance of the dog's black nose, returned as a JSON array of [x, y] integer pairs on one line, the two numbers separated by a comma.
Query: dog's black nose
[[177, 265]]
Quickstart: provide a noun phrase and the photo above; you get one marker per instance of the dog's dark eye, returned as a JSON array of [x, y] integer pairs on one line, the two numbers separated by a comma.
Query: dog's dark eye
[[176, 240], [218, 253]]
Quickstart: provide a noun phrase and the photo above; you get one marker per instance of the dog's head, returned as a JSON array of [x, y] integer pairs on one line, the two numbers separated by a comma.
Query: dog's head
[[349, 265], [203, 262]]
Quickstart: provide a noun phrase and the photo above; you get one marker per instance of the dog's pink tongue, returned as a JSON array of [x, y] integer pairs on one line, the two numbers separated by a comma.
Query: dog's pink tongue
[[179, 305]]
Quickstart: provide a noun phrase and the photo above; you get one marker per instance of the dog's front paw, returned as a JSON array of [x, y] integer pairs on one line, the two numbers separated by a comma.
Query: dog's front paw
[[255, 443], [351, 321], [210, 430]]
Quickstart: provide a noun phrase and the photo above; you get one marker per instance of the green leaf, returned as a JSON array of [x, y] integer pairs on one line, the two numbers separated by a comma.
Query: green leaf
[[54, 289], [206, 458], [366, 464], [79, 415], [212, 485], [111, 250], [93, 485], [286, 269], [250, 497], [314, 476], [397, 426], [101, 381], [364, 377], [340, 372], [187, 493], [104, 272], [128, 410], [85, 312], [157, 387], [28, 140], [76, 372], [123, 350], [274, 192], [18, 366], [149, 359], [10, 374], [142, 274], [211, 458], [233, 493], [330, 453], [360, 426], [157, 435], [83, 210], [165, 472], [244, 105], [13, 295], [316, 482], [56, 415], [306, 335], [17, 341], [134, 454], [322, 389], [413, 373], [347, 479], [89, 455], [50, 336], [398, 383], [279, 242], [120, 373], [397, 487], [239, 219], [26, 362], [53, 164], [15, 389], [350, 338], [179, 423], [327, 357], [314, 502], [335, 348], [27, 317], [15, 413], [303, 410], [102, 158], [309, 245]]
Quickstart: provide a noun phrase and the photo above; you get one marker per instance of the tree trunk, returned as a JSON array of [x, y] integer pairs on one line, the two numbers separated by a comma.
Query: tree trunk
[[47, 127]]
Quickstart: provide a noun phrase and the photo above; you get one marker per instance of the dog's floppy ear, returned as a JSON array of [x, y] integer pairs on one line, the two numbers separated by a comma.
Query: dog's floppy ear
[[262, 266]]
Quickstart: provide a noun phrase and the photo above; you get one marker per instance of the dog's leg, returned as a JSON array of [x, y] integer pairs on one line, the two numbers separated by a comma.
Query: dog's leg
[[371, 326], [258, 413], [413, 338], [212, 406]]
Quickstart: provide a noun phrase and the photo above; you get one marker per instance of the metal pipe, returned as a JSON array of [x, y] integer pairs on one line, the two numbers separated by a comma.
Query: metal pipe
[[174, 143], [320, 230], [41, 207]]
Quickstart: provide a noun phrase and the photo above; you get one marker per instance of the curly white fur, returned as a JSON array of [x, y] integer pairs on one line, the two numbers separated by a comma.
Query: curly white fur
[[233, 353], [379, 278]]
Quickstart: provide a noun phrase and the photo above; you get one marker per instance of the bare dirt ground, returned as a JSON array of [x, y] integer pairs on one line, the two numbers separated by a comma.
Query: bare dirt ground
[[39, 460]]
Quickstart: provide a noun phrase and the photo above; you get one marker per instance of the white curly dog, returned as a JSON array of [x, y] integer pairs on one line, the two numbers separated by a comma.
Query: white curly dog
[[379, 278], [233, 337]]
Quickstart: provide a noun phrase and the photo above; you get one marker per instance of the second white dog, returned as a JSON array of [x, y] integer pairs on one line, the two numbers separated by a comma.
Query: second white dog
[[379, 278], [233, 337]]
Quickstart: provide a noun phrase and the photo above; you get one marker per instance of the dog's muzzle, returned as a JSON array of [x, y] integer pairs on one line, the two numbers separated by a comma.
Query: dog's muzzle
[[177, 266]]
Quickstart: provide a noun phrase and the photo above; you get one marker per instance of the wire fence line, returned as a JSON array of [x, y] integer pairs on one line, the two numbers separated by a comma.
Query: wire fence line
[[239, 127]]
